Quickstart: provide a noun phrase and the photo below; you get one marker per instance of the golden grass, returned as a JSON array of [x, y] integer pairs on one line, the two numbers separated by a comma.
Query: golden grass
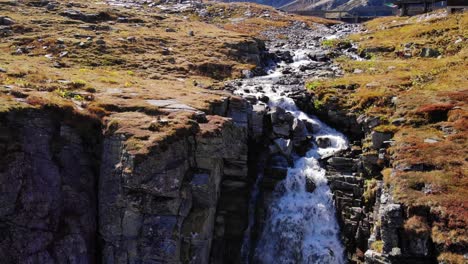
[[431, 95], [133, 63]]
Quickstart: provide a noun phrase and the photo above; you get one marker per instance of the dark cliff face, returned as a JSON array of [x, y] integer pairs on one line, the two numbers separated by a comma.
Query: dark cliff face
[[48, 179], [71, 194]]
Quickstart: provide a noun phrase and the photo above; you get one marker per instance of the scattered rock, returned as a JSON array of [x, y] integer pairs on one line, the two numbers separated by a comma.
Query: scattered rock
[[429, 53], [170, 30], [52, 6], [6, 21], [323, 142], [431, 140], [378, 139], [90, 18], [398, 121]]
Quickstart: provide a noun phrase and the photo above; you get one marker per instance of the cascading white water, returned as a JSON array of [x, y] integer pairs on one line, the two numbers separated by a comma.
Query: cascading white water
[[301, 226]]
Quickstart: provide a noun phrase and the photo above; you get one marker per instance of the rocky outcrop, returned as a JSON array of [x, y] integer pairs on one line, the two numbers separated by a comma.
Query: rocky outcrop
[[372, 223], [68, 198], [48, 181], [164, 207]]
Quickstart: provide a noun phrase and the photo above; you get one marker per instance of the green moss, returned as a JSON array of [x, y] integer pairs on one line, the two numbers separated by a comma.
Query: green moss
[[328, 42], [386, 129], [68, 94], [313, 85], [318, 104]]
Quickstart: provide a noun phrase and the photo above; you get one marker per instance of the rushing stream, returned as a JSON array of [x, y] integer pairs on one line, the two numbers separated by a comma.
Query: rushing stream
[[301, 226]]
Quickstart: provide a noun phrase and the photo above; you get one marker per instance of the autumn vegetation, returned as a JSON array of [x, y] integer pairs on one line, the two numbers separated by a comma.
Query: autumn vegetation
[[423, 101]]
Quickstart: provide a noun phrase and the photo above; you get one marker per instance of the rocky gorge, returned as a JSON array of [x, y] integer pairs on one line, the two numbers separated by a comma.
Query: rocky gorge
[[259, 175]]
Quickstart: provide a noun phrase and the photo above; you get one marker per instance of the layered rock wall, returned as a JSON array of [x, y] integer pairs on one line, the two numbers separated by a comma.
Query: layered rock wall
[[48, 200], [71, 194], [372, 222]]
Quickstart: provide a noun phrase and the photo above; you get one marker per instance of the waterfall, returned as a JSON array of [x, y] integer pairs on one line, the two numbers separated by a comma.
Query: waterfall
[[301, 225]]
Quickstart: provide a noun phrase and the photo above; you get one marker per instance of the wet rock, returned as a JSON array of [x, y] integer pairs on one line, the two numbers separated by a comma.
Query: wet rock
[[284, 146], [284, 55], [321, 56], [343, 164], [251, 98], [310, 185], [299, 131], [323, 142], [277, 167], [264, 99], [282, 129], [281, 121], [311, 127]]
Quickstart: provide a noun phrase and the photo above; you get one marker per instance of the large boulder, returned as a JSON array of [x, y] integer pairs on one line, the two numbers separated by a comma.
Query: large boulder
[[378, 138], [281, 122]]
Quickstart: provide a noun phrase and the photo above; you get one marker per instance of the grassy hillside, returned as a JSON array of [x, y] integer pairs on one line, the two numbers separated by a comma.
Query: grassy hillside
[[108, 61], [415, 81]]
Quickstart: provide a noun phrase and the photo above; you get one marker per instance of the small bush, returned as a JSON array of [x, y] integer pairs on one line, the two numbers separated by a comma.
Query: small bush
[[377, 246], [77, 84], [69, 94]]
